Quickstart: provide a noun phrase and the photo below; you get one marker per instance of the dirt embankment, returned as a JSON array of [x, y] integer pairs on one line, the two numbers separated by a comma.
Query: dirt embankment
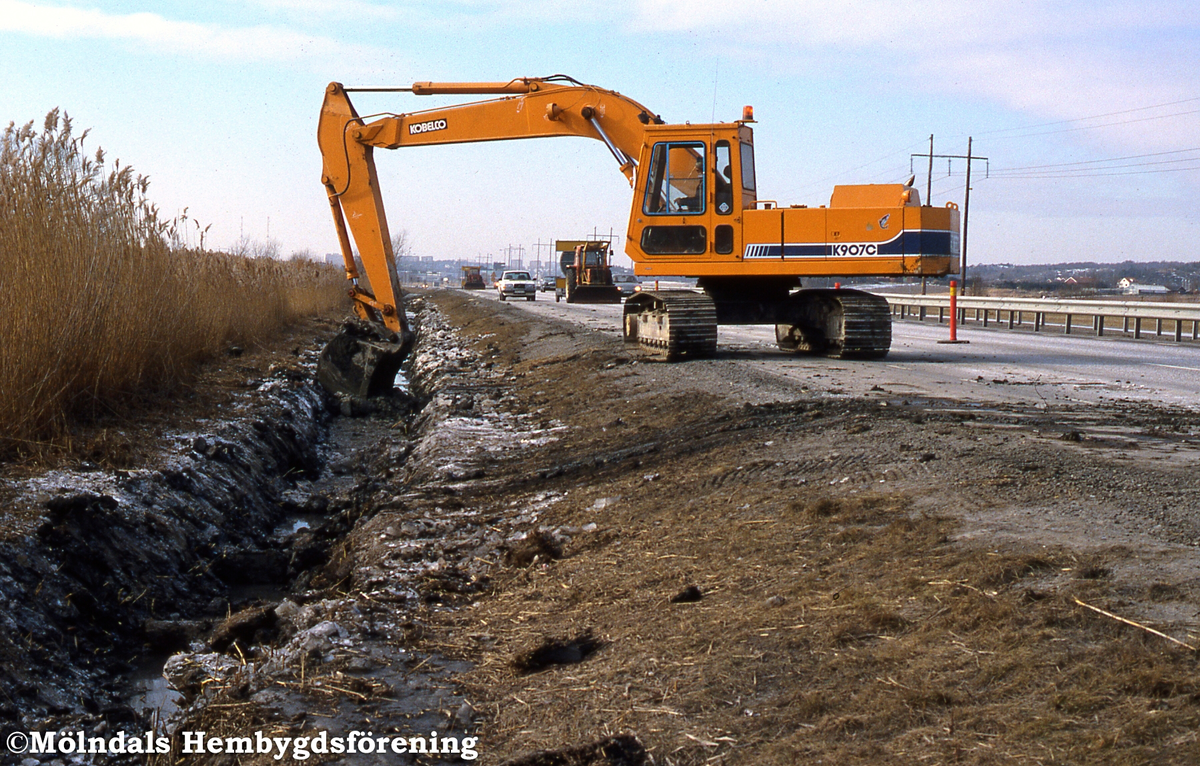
[[572, 556], [781, 576]]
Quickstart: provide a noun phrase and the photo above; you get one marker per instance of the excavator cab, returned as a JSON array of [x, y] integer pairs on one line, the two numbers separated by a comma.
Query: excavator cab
[[687, 204]]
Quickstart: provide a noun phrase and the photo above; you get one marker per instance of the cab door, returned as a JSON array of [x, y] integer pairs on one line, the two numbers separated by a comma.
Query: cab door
[[725, 239], [674, 206]]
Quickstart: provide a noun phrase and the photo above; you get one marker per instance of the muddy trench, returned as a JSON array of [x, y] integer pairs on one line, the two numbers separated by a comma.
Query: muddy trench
[[224, 593]]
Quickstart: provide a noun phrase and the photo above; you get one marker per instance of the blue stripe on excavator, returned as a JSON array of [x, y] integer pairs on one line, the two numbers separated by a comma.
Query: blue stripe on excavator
[[910, 243]]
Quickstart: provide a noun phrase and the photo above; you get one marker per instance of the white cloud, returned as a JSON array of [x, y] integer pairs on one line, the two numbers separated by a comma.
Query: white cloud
[[357, 9], [162, 34], [1050, 60]]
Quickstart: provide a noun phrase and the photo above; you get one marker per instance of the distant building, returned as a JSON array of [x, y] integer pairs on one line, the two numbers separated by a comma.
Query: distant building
[[1133, 287]]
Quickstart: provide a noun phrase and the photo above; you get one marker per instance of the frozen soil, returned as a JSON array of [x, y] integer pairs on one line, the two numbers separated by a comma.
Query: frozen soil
[[582, 556]]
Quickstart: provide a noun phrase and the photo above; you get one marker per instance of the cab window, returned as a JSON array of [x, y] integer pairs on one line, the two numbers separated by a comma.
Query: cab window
[[722, 178], [676, 180], [748, 167]]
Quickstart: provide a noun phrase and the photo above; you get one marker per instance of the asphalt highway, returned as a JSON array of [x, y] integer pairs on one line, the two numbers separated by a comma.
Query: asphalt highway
[[996, 366]]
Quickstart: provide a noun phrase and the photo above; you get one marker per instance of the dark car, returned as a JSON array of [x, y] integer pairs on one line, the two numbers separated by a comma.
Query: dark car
[[626, 283]]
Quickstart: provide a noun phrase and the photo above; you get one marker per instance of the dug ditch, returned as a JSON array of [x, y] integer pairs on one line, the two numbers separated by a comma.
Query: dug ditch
[[218, 592]]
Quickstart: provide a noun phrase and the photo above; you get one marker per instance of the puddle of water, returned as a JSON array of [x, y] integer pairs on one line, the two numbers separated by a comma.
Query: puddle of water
[[149, 693], [401, 382], [294, 524]]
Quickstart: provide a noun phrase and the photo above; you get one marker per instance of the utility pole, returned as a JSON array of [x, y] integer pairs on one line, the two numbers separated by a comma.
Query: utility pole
[[966, 215], [508, 256], [929, 182], [538, 250], [969, 157]]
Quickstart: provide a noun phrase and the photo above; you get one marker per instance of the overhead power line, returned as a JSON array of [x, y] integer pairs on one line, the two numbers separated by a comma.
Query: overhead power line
[[1110, 166], [1063, 126], [1023, 129], [1097, 174], [1096, 162], [1134, 164]]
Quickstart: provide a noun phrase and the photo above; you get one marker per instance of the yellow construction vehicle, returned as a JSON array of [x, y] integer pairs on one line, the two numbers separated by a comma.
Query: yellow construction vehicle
[[587, 275], [472, 279], [696, 212]]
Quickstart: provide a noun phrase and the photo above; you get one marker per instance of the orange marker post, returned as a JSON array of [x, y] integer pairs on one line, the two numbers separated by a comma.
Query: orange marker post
[[953, 311], [954, 315]]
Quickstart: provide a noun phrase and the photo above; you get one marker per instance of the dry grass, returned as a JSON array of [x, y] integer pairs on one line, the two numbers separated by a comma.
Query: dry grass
[[835, 625], [835, 630], [100, 303]]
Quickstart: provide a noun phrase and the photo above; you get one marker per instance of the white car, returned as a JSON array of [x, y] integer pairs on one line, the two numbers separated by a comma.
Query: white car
[[516, 284]]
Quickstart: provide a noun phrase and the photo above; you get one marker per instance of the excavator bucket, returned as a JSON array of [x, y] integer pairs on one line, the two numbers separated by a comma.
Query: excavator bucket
[[362, 361]]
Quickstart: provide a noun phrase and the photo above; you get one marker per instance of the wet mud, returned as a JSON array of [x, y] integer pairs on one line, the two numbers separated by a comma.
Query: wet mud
[[274, 575], [113, 562]]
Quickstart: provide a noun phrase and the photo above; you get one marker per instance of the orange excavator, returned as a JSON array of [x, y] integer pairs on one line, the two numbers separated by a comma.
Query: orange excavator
[[695, 213]]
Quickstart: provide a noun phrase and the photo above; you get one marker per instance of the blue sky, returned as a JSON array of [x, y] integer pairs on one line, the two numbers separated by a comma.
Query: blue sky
[[1088, 112]]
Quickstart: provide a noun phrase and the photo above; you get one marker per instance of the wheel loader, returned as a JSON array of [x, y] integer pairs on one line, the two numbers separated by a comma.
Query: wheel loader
[[696, 212], [472, 279], [587, 275]]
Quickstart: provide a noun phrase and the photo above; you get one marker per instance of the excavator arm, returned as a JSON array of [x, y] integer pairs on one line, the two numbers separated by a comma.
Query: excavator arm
[[525, 108], [522, 108]]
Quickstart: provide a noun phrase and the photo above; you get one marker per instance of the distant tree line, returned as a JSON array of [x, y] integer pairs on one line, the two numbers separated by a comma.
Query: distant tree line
[[1086, 277]]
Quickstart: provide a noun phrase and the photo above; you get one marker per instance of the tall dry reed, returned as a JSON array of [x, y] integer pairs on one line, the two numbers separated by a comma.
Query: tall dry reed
[[96, 302]]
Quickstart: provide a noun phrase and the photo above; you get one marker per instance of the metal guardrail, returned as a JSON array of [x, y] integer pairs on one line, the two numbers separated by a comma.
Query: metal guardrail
[[1040, 313]]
